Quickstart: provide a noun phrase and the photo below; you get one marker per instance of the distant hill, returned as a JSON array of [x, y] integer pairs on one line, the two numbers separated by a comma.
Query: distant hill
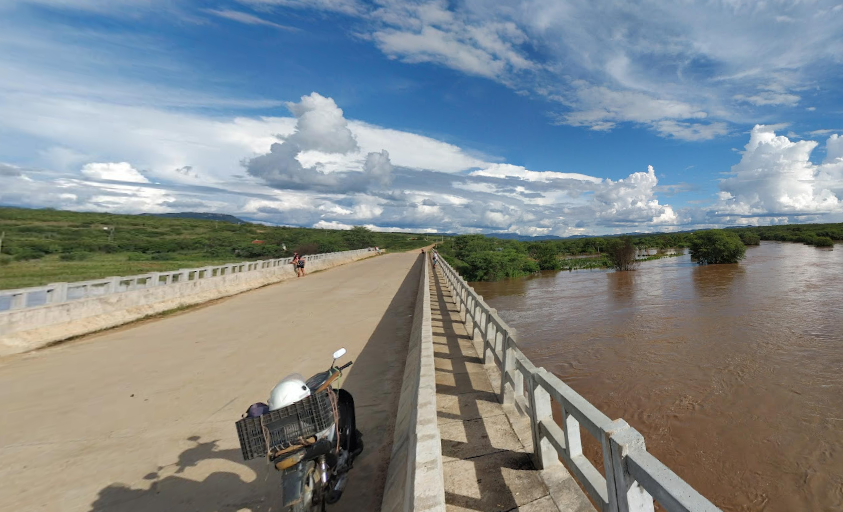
[[201, 215]]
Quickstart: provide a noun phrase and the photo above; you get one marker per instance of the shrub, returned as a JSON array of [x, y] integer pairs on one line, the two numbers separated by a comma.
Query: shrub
[[717, 246], [162, 256], [75, 256], [5, 259], [749, 238], [621, 253], [823, 241], [28, 254]]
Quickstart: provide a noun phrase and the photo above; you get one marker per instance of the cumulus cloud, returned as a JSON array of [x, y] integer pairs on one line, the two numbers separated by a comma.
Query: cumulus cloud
[[776, 177], [320, 128], [632, 200]]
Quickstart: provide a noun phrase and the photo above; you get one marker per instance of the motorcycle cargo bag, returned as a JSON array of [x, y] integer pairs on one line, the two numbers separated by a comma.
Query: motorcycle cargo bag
[[285, 427]]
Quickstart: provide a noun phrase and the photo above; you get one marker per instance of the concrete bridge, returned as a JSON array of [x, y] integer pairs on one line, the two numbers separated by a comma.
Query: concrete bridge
[[140, 417]]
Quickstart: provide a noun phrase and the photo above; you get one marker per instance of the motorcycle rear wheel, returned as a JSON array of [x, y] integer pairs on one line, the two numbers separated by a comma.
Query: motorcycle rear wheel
[[310, 485]]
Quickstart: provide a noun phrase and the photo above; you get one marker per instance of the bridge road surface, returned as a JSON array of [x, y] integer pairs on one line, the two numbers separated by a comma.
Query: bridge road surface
[[141, 419]]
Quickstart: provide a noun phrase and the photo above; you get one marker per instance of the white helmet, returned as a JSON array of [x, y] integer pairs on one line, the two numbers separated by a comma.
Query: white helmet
[[289, 391]]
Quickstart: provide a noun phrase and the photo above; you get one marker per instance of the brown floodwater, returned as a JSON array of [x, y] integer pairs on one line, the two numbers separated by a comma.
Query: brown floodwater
[[733, 373]]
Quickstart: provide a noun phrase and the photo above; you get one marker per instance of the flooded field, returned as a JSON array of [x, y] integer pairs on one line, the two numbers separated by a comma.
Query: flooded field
[[733, 373]]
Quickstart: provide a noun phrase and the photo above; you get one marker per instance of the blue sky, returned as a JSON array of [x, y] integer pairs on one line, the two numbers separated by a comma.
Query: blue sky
[[531, 116]]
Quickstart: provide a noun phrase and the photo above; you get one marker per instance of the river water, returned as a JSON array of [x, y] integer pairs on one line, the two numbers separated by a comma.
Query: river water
[[733, 373]]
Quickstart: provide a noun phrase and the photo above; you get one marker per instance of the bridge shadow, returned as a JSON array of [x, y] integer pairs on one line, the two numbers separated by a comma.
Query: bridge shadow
[[486, 467], [375, 382]]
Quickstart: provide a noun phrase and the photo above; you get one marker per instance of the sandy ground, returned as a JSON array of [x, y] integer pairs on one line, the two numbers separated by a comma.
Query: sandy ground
[[142, 418]]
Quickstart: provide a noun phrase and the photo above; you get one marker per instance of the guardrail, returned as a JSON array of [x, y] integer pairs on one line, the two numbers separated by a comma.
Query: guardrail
[[633, 477], [63, 292]]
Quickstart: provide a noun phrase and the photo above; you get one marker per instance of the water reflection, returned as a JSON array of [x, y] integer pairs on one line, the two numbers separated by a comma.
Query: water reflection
[[621, 287], [716, 281]]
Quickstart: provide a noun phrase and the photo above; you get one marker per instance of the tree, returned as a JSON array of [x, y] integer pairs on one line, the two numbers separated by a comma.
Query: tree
[[359, 237], [717, 246], [621, 253]]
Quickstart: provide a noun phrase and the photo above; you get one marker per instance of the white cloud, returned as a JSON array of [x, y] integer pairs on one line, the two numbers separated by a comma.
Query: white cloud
[[517, 171], [632, 201], [430, 32], [776, 176], [113, 171], [615, 62], [244, 17], [320, 128], [340, 6]]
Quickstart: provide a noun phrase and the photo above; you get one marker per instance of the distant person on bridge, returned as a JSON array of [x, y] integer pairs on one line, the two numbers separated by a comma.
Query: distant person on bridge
[[295, 263], [300, 267]]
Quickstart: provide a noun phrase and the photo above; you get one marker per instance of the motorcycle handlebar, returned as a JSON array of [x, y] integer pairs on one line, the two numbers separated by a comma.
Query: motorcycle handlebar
[[346, 365]]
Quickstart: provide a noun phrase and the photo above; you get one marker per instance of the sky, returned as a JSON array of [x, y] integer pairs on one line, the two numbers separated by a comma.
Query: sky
[[536, 117]]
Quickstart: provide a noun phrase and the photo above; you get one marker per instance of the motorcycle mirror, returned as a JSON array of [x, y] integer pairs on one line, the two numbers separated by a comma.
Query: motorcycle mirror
[[339, 353]]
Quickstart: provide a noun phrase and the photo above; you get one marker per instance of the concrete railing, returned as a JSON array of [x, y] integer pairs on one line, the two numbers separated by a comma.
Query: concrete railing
[[42, 315], [414, 480], [62, 292], [633, 477]]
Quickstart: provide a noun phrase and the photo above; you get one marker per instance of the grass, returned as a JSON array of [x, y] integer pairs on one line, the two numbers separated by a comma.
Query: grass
[[50, 269]]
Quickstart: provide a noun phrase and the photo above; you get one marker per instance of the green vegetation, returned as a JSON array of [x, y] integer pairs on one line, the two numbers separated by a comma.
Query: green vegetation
[[484, 258], [47, 246], [749, 238], [823, 241], [622, 253], [481, 258], [717, 246], [478, 258], [807, 234]]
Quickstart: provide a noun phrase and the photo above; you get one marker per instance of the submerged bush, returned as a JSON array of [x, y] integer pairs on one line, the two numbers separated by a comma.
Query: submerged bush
[[749, 238], [823, 241], [717, 246], [621, 253]]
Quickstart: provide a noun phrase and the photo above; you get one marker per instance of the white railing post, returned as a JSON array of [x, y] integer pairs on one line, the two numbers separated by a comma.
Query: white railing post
[[58, 293], [540, 409], [18, 301], [507, 395], [571, 428], [491, 334], [628, 494]]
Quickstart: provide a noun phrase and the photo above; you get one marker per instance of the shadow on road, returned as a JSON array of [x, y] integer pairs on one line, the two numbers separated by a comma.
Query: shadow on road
[[375, 383], [220, 491]]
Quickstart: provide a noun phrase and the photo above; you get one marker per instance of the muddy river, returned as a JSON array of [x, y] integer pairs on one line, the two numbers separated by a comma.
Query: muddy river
[[733, 373]]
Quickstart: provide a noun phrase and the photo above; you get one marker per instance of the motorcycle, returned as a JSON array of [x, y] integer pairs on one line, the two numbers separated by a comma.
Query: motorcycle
[[308, 432]]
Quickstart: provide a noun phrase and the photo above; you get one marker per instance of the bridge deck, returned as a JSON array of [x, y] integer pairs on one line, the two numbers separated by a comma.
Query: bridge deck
[[141, 418], [486, 466]]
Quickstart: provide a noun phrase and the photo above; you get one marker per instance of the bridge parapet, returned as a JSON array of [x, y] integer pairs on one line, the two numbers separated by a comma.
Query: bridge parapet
[[633, 477], [34, 317], [55, 293]]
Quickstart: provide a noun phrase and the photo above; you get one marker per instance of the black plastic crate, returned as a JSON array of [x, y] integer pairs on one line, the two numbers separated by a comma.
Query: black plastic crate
[[286, 426]]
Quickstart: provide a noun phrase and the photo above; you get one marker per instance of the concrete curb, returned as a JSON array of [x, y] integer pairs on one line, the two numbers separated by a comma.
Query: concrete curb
[[28, 329], [415, 481]]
